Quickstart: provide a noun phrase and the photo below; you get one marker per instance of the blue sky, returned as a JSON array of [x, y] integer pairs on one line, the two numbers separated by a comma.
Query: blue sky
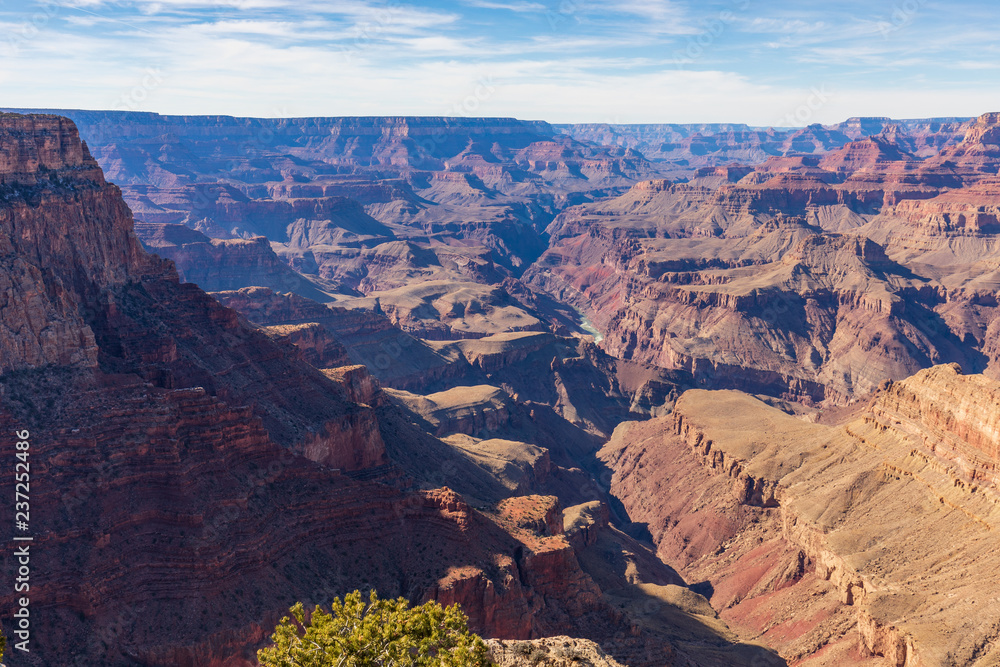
[[776, 62]]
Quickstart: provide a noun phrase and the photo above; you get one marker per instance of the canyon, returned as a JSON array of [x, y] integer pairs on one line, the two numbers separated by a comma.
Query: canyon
[[631, 395], [201, 472], [868, 536]]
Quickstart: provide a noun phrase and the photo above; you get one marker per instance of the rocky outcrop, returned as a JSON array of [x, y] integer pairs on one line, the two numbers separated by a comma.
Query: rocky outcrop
[[746, 284], [493, 353], [888, 513], [314, 343], [218, 265], [959, 410], [478, 411], [549, 652], [395, 357], [359, 383], [39, 144], [746, 489], [447, 310], [582, 524], [54, 257]]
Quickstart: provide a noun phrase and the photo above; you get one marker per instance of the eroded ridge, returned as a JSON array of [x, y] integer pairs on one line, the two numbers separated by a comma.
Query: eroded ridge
[[878, 532]]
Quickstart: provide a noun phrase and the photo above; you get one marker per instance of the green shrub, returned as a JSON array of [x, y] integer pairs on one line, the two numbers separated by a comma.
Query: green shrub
[[387, 633]]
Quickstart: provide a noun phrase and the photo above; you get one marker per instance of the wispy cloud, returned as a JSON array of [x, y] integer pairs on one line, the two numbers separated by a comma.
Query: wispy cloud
[[518, 7], [783, 26], [977, 65], [552, 59]]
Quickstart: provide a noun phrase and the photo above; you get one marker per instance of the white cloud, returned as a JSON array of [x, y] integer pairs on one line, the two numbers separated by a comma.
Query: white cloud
[[522, 7], [606, 62], [655, 17], [783, 26], [439, 45], [977, 65]]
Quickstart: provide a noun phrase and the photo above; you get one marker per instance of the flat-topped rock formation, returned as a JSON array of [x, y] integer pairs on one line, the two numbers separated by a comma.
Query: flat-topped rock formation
[[687, 146], [449, 310], [398, 359], [218, 265], [35, 145]]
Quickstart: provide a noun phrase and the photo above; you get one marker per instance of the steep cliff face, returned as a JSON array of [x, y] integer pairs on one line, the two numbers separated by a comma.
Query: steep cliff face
[[954, 414], [809, 277], [444, 181], [831, 542], [217, 265], [195, 476], [54, 256]]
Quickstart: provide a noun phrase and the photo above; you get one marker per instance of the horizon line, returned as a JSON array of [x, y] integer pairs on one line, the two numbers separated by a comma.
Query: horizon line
[[55, 110]]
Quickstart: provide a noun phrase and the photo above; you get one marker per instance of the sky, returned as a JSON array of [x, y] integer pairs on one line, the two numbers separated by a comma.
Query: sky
[[765, 63]]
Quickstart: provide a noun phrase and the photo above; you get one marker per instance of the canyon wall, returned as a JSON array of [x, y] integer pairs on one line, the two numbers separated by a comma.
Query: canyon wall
[[831, 541], [810, 277], [194, 475]]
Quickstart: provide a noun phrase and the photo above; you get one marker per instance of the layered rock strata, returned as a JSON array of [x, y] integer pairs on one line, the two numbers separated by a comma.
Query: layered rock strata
[[193, 476], [811, 277], [831, 542]]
